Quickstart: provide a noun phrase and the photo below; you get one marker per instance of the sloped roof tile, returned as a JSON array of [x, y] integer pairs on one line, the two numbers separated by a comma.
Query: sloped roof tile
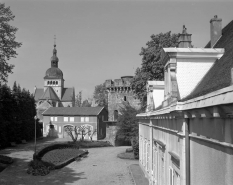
[[219, 76], [73, 111], [49, 94], [68, 94], [38, 93]]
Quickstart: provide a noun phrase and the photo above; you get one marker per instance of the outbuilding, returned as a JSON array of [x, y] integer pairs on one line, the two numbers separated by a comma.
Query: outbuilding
[[92, 118]]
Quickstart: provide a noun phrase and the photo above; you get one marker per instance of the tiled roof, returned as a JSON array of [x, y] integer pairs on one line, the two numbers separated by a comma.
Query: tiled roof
[[49, 94], [73, 111], [219, 76], [44, 105], [68, 94], [38, 93]]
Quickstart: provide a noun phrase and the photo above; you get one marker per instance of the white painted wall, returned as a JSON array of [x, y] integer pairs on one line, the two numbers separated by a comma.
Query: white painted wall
[[189, 73]]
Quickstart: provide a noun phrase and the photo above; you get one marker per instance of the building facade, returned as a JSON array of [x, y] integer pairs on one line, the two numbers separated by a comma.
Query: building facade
[[119, 92], [186, 136], [53, 94], [93, 118]]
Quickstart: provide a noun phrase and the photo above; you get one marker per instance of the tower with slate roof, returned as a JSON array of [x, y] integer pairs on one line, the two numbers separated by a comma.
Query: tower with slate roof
[[54, 94]]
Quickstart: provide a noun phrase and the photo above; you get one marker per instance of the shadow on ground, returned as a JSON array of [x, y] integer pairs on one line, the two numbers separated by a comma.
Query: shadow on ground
[[17, 174], [30, 146]]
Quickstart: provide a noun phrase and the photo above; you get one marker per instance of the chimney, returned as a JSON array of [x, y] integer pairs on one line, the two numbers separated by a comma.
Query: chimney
[[185, 39], [215, 30]]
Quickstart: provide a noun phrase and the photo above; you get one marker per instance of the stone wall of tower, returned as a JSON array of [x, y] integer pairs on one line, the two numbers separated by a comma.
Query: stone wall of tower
[[120, 92]]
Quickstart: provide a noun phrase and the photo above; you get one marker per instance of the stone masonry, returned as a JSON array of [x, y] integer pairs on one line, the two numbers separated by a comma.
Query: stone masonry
[[120, 91]]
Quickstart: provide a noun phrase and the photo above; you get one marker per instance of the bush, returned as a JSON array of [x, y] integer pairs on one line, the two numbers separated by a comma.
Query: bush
[[37, 167], [6, 159], [135, 145], [43, 151], [62, 157]]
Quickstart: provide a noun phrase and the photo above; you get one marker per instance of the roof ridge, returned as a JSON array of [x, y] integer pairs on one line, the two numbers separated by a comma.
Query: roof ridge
[[51, 94]]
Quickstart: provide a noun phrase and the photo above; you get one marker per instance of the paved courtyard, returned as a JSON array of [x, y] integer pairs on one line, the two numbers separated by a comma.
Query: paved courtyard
[[100, 167]]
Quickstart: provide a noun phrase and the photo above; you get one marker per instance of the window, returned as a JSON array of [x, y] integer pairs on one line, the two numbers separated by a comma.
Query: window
[[65, 119], [155, 166], [102, 117], [53, 82], [51, 118], [147, 155], [82, 119], [171, 177], [86, 119], [124, 98], [55, 118], [56, 82], [59, 129], [144, 153], [47, 82], [115, 115], [71, 119], [140, 149]]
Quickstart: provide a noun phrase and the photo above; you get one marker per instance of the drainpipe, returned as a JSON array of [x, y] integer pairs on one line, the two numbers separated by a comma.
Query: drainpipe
[[187, 151]]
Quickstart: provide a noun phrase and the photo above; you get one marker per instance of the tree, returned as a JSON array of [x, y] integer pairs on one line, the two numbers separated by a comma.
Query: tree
[[152, 67], [8, 45], [73, 132], [127, 122], [100, 95], [91, 133], [86, 103], [78, 99]]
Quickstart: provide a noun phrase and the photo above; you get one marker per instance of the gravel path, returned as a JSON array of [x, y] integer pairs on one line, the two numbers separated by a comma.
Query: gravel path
[[100, 167]]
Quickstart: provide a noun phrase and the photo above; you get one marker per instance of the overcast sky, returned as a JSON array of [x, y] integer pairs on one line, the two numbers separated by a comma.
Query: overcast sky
[[99, 40]]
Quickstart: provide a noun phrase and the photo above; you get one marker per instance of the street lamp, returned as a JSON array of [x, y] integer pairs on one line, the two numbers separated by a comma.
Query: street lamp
[[35, 137]]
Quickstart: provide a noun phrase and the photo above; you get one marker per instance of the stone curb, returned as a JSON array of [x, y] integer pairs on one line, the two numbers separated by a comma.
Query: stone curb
[[138, 175]]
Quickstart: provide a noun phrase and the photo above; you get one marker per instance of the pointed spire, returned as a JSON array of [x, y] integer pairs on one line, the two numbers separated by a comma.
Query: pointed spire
[[54, 59], [54, 50]]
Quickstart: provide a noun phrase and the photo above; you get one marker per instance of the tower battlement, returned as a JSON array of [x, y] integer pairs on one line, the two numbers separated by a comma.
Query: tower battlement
[[122, 84]]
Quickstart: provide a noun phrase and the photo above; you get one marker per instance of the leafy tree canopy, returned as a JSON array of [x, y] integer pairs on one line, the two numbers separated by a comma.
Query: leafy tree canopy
[[152, 67], [100, 95], [86, 103], [127, 122], [8, 45]]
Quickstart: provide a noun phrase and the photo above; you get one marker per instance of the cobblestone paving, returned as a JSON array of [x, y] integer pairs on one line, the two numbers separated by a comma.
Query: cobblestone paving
[[100, 167]]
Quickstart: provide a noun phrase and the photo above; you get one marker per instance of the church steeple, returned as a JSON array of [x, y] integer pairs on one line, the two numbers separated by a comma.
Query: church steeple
[[54, 58]]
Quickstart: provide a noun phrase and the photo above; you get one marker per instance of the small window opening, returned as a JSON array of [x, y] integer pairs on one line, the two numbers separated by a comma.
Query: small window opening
[[124, 98], [56, 82], [53, 82], [115, 115]]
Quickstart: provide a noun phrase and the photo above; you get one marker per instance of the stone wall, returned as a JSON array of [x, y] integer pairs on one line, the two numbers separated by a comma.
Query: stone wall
[[120, 92], [111, 130]]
